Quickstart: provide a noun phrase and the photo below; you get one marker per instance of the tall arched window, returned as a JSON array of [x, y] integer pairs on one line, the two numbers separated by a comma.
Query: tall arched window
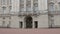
[[4, 9], [28, 5], [51, 6], [10, 1], [35, 4], [22, 1], [21, 5], [4, 2]]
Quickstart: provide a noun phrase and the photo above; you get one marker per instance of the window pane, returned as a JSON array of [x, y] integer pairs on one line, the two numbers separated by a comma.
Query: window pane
[[59, 6], [28, 8], [3, 2], [22, 7], [4, 9], [21, 0], [36, 4], [51, 7], [35, 8], [10, 1]]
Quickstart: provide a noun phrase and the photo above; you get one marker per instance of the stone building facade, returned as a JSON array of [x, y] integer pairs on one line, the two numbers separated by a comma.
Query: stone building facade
[[29, 13]]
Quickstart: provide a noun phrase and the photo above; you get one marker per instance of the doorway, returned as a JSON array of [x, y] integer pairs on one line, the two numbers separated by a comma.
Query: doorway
[[36, 24], [28, 22], [20, 24]]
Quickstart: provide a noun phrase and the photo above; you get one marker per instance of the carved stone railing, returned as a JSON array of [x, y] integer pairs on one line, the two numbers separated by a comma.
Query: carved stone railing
[[32, 13], [4, 15], [23, 13], [8, 14], [54, 12]]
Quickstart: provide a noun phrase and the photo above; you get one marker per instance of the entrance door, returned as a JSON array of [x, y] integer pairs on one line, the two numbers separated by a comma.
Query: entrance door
[[28, 21], [21, 24], [36, 24]]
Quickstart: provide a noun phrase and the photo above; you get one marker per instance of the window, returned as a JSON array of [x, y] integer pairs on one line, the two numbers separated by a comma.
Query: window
[[8, 25], [4, 9], [3, 2], [21, 7], [28, 9], [35, 7], [20, 24], [36, 4], [3, 17], [9, 17], [22, 0], [10, 2], [28, 5], [59, 6], [28, 0], [35, 1], [3, 24], [51, 6], [10, 7], [36, 24]]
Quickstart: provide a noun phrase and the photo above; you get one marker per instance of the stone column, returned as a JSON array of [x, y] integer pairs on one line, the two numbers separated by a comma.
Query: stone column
[[32, 5], [33, 24], [24, 5], [23, 24]]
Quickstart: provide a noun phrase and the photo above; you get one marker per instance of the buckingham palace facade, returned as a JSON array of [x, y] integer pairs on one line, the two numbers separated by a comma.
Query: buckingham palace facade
[[29, 13]]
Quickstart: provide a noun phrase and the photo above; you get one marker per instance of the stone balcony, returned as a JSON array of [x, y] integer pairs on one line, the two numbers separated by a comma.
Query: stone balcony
[[4, 15], [54, 12], [24, 13]]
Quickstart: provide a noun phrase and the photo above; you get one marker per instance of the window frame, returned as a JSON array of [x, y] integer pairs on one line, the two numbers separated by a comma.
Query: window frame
[[51, 6]]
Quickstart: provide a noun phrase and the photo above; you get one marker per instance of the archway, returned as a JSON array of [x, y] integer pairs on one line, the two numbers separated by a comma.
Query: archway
[[28, 22]]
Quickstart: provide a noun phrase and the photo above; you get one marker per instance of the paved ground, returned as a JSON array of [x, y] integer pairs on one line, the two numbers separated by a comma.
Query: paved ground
[[29, 31]]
